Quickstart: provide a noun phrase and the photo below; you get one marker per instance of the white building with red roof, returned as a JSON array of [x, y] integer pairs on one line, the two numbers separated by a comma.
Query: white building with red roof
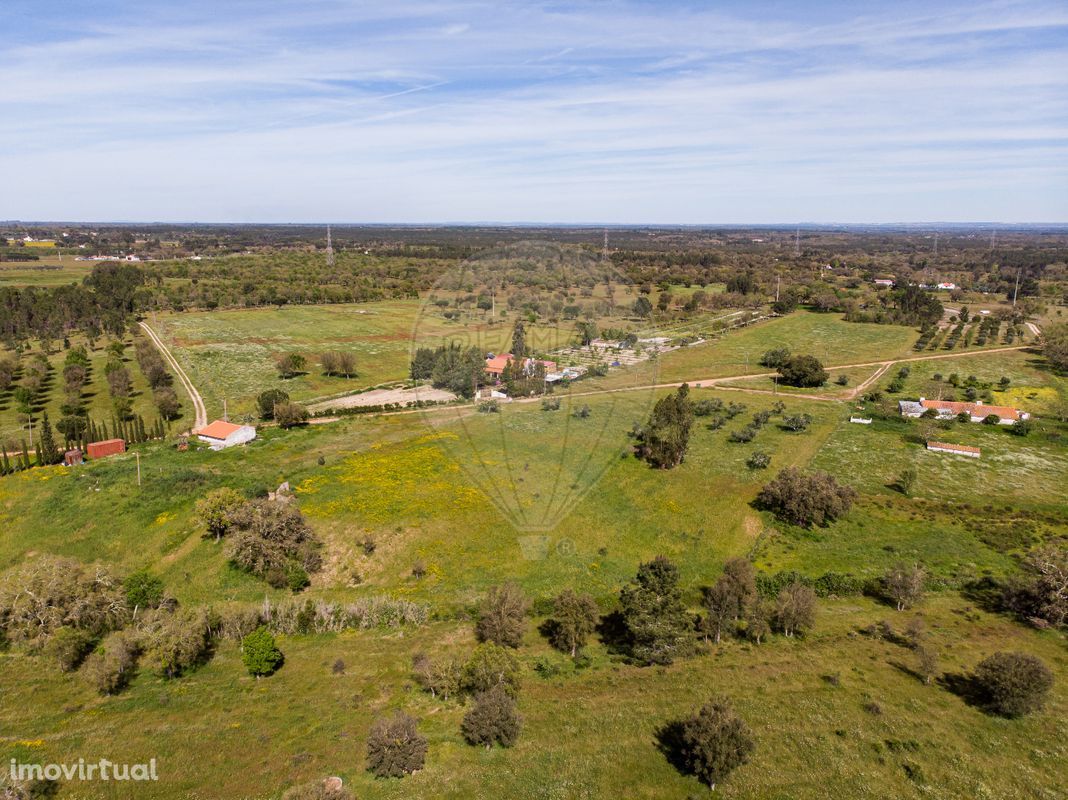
[[220, 434], [947, 409]]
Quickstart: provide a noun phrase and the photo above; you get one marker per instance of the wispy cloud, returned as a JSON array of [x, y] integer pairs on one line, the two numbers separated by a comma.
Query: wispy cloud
[[586, 111]]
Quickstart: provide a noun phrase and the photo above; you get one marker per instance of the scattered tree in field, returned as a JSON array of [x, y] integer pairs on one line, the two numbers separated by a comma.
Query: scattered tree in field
[[289, 415], [502, 618], [775, 357], [290, 365], [804, 371], [740, 579], [260, 653], [757, 624], [1055, 347], [664, 439], [904, 585], [806, 499], [659, 626], [490, 665], [758, 460], [795, 609], [642, 307], [338, 362], [712, 743], [395, 747], [441, 677], [906, 480], [719, 610], [216, 510], [492, 719], [1013, 684], [926, 663], [143, 590], [574, 619], [797, 422], [266, 401]]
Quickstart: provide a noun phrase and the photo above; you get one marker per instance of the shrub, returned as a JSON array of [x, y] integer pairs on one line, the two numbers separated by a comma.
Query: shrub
[[443, 676], [112, 665], [174, 644], [42, 595], [797, 422], [806, 499], [1013, 684], [492, 719], [69, 647], [1021, 427], [502, 616], [713, 742], [842, 380], [395, 747], [550, 404], [490, 665], [991, 419], [489, 407], [289, 415], [746, 434], [904, 585], [704, 408], [582, 412], [269, 538], [260, 654], [318, 790], [758, 460], [216, 510]]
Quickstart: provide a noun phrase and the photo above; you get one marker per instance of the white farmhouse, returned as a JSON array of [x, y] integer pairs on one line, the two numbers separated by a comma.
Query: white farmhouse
[[220, 435]]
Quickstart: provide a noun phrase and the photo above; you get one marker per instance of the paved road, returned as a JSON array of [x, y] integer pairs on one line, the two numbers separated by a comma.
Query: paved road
[[200, 412]]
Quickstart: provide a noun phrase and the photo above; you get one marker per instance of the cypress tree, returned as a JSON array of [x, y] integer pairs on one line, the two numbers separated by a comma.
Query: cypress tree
[[7, 464], [25, 456], [49, 451], [38, 455]]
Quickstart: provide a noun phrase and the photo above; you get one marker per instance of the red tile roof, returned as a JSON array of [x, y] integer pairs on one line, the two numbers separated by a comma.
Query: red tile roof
[[218, 430], [960, 448], [974, 409]]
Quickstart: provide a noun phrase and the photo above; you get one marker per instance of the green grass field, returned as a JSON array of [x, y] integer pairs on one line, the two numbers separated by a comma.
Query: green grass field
[[552, 501]]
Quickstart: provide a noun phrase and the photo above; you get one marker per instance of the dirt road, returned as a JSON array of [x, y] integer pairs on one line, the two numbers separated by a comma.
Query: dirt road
[[200, 412]]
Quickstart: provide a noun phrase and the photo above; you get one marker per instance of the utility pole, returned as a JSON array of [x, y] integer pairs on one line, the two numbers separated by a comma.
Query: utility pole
[[778, 280], [797, 242], [604, 252], [936, 245], [138, 457], [329, 248], [226, 416], [1016, 291]]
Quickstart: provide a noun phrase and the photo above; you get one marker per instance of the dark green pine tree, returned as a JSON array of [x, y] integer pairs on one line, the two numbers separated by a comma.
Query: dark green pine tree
[[37, 454], [666, 436], [660, 627], [141, 429]]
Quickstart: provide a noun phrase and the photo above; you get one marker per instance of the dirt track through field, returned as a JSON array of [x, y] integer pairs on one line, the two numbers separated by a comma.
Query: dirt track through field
[[200, 412]]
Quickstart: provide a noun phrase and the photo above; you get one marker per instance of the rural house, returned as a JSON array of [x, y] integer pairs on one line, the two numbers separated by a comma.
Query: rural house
[[220, 434], [947, 409], [495, 365]]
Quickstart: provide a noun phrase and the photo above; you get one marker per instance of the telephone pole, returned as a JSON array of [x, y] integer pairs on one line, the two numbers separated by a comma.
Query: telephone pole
[[329, 248], [604, 252], [797, 242], [1016, 290]]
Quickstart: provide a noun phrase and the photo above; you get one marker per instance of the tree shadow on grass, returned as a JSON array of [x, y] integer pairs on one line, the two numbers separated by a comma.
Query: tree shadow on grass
[[965, 687], [613, 632], [669, 741]]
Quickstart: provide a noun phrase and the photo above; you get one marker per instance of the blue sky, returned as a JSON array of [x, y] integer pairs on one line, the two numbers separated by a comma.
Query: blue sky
[[659, 112]]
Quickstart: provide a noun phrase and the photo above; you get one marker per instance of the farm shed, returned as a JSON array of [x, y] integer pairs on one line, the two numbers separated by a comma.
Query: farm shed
[[108, 447], [955, 449], [221, 434]]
